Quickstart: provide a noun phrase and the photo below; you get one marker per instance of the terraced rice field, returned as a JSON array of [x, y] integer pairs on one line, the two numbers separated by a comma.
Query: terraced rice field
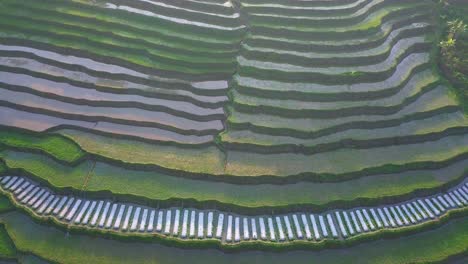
[[300, 126]]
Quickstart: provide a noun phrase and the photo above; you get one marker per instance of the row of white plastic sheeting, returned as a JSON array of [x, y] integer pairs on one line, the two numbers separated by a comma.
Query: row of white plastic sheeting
[[231, 228]]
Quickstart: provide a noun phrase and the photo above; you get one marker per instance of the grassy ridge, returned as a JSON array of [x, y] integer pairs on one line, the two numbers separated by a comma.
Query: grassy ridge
[[208, 160], [156, 188], [52, 244], [250, 165]]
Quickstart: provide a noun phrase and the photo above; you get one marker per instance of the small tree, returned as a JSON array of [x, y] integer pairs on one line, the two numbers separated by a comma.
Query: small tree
[[448, 46]]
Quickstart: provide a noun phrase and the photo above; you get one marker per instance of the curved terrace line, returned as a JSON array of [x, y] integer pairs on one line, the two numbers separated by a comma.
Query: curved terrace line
[[161, 4], [365, 8], [292, 5], [85, 96], [413, 32], [371, 22], [172, 19], [341, 45]]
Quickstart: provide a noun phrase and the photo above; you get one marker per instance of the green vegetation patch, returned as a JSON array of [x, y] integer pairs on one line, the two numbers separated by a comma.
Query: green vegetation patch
[[453, 47], [7, 248], [59, 147], [54, 245]]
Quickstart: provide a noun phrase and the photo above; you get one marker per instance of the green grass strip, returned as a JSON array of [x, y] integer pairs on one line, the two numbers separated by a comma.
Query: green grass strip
[[153, 186], [54, 245], [59, 147]]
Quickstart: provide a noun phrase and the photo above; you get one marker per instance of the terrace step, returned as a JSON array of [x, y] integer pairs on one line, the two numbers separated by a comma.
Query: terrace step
[[36, 69], [84, 96], [309, 18], [125, 116], [112, 54], [338, 45], [407, 133], [134, 16], [431, 103], [39, 122], [245, 194], [415, 87], [168, 9], [338, 4], [133, 28], [347, 160], [298, 8], [55, 20], [324, 93], [111, 72], [221, 7], [362, 29], [334, 75], [412, 33]]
